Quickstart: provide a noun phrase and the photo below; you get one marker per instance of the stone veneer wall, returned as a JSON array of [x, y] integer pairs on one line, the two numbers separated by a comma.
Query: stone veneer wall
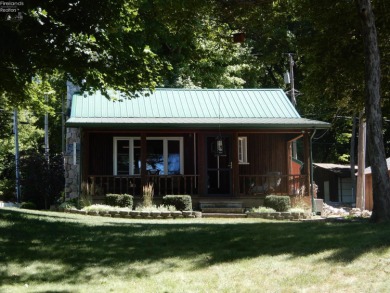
[[72, 171]]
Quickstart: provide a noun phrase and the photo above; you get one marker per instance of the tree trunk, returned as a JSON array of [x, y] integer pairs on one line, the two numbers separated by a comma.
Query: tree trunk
[[361, 182], [375, 145]]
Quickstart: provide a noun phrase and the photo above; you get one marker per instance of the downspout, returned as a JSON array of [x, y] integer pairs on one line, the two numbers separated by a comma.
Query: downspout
[[311, 171]]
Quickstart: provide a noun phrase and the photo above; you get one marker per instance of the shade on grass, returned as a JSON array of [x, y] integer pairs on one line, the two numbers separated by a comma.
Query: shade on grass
[[47, 251]]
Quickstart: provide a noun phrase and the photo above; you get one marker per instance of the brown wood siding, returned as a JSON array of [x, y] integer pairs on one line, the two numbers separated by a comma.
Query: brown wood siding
[[369, 200], [100, 149], [266, 153], [320, 176]]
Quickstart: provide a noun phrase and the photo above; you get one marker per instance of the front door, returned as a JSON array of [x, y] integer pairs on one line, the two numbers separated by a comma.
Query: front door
[[219, 165]]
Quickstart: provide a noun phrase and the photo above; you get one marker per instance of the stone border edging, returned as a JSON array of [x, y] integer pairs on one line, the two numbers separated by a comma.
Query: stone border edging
[[138, 214]]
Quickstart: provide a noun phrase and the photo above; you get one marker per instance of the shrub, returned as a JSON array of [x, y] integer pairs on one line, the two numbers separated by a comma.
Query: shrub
[[278, 202], [28, 205], [147, 194], [119, 200], [70, 204], [180, 202]]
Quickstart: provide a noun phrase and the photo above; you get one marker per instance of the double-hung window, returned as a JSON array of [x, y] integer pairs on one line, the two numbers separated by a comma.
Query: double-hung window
[[164, 155], [243, 150]]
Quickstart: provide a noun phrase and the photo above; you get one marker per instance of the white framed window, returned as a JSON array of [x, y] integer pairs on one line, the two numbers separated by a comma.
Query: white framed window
[[243, 150], [164, 155]]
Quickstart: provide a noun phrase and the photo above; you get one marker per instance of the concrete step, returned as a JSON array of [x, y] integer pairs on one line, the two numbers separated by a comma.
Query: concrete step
[[223, 215], [226, 210]]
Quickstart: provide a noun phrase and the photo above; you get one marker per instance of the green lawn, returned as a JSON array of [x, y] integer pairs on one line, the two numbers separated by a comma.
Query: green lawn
[[58, 252]]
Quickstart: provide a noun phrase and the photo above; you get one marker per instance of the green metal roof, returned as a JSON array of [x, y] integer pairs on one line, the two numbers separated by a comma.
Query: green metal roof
[[185, 108]]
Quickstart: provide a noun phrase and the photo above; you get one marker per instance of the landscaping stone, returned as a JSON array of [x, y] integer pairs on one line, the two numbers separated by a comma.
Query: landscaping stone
[[166, 214], [155, 214], [187, 214], [176, 214], [135, 214], [124, 213]]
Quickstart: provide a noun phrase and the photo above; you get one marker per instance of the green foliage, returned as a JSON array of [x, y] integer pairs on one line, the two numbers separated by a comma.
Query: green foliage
[[180, 202], [104, 208], [147, 194], [41, 183], [69, 204], [279, 203], [154, 208], [119, 200], [262, 210], [28, 205]]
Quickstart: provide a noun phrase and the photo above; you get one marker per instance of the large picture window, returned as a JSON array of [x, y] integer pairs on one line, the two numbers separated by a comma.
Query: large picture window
[[164, 155]]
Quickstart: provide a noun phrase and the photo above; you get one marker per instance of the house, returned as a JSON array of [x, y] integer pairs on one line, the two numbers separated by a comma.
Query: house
[[334, 182], [213, 144], [368, 200]]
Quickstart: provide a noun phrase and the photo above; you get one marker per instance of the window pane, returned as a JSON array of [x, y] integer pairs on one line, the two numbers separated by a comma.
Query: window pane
[[155, 156], [173, 157], [123, 157]]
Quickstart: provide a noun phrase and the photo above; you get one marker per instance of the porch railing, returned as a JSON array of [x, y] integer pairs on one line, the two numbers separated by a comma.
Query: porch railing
[[101, 185], [272, 184]]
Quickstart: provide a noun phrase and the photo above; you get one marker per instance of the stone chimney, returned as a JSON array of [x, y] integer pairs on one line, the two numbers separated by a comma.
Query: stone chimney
[[72, 152]]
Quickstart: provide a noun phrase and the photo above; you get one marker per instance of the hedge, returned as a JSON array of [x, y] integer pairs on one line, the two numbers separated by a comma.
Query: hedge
[[180, 202], [280, 203], [119, 200]]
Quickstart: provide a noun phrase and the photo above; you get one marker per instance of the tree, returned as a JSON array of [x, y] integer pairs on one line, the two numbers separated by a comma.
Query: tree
[[96, 44], [375, 145]]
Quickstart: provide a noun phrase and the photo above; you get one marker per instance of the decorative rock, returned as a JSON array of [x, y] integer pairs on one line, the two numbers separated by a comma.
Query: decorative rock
[[187, 214], [176, 214], [166, 214], [124, 213], [155, 214], [197, 214]]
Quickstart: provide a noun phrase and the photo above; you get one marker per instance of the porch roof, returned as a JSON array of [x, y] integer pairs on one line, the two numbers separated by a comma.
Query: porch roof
[[190, 108]]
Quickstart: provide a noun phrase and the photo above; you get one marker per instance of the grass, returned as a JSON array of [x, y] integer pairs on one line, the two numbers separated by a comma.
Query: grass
[[58, 252]]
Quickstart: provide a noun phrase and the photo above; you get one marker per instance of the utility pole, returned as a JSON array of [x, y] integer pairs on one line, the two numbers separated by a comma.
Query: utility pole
[[289, 79], [17, 171], [292, 93]]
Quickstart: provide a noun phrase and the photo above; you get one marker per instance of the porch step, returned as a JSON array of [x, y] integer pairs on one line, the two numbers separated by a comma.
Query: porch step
[[223, 215], [222, 210]]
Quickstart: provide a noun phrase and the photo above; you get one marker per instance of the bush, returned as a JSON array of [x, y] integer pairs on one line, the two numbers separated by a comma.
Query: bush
[[180, 202], [28, 205], [119, 200], [278, 202], [70, 204]]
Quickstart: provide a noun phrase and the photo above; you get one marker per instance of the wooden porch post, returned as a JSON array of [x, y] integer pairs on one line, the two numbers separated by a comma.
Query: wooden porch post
[[143, 159], [201, 155], [235, 166], [306, 142]]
